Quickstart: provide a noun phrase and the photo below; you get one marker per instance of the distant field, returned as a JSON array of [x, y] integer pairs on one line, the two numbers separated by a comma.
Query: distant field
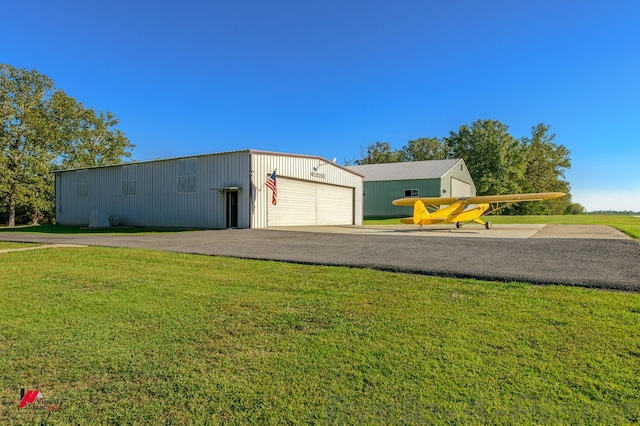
[[123, 336], [630, 225]]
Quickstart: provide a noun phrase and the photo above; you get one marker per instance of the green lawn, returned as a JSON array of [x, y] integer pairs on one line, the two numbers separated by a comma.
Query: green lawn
[[123, 336], [6, 245], [630, 225], [81, 230]]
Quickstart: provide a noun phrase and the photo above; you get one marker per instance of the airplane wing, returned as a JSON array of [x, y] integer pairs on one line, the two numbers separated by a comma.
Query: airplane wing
[[483, 199], [428, 201], [513, 198]]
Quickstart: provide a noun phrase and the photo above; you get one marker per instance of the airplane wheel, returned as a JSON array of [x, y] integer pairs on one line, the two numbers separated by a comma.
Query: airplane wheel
[[458, 224], [487, 225]]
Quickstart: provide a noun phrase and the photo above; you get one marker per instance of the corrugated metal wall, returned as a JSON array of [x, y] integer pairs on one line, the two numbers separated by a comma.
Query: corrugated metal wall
[[157, 201], [313, 169], [380, 195]]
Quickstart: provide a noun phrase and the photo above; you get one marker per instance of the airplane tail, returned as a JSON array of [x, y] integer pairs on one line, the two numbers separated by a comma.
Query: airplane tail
[[420, 212]]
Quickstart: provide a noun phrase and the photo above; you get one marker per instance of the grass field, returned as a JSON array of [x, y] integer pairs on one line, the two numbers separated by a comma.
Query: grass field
[[78, 230], [5, 245], [630, 225], [122, 336]]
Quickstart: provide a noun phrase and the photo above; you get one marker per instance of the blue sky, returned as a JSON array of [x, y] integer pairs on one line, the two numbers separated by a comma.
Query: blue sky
[[330, 77]]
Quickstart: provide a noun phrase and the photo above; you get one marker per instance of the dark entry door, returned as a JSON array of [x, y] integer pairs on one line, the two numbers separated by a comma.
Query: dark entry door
[[232, 209]]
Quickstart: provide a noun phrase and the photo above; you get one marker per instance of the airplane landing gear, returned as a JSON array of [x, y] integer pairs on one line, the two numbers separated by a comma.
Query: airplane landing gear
[[487, 225], [458, 225]]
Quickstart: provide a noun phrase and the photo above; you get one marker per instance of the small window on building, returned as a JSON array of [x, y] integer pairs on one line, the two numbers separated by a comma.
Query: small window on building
[[129, 180], [411, 193], [187, 176], [82, 181], [364, 194]]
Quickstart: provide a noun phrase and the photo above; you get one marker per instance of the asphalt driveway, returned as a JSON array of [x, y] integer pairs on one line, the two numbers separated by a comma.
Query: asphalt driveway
[[547, 255]]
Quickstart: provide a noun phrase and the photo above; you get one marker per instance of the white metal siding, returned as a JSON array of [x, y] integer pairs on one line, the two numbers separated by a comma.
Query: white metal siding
[[309, 203]]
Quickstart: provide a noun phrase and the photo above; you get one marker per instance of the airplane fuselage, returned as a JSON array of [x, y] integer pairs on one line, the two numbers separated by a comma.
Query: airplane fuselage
[[453, 213]]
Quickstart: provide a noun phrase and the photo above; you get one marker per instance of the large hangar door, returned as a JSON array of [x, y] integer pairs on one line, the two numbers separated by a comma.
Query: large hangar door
[[460, 188], [334, 205], [296, 204], [304, 203]]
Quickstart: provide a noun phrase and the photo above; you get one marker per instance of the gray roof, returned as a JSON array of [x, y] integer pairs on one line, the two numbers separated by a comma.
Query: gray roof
[[409, 170]]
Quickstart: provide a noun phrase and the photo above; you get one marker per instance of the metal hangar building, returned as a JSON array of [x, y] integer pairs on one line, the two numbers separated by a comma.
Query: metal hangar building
[[386, 182], [212, 191]]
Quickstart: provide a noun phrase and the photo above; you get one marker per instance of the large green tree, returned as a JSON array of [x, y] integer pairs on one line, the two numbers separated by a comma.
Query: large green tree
[[42, 129], [495, 159], [380, 152], [94, 140], [546, 163], [28, 139], [423, 149]]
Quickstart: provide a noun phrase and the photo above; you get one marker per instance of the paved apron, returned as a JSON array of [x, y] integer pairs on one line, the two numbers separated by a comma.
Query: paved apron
[[545, 257]]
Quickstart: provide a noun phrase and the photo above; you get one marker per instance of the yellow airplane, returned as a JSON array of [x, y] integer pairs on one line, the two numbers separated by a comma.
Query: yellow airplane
[[459, 210]]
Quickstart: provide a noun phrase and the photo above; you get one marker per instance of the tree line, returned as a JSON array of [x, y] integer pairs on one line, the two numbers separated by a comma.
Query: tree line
[[42, 129], [498, 162]]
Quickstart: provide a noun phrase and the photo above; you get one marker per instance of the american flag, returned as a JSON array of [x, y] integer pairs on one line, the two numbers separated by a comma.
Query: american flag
[[271, 184]]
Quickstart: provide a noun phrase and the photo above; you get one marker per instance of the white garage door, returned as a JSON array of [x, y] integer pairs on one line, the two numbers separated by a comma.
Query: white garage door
[[460, 188], [303, 203]]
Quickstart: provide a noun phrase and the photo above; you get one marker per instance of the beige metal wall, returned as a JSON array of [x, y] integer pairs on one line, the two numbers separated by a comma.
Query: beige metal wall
[[157, 201]]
